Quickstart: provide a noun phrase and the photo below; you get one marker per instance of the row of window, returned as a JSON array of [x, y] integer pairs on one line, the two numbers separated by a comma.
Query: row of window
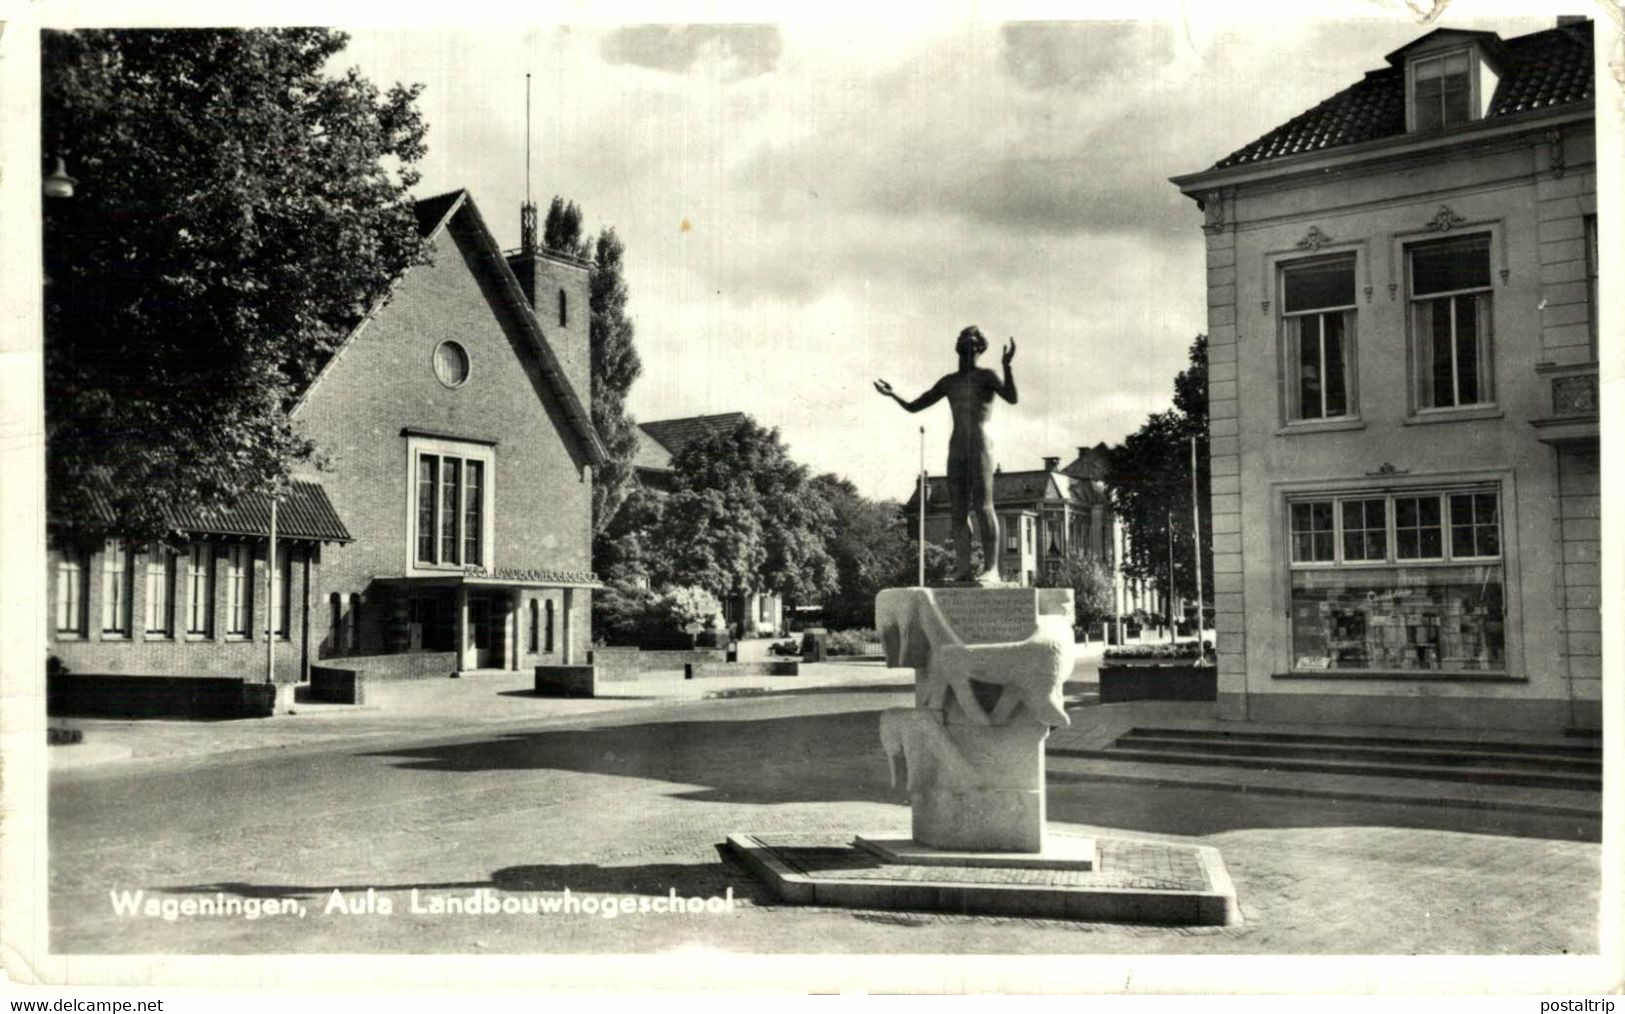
[[450, 510], [1395, 581], [1450, 303], [164, 594]]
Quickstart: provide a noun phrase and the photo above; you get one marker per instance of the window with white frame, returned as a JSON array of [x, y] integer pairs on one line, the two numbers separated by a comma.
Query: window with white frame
[[160, 592], [71, 601], [1397, 581], [239, 591], [1592, 309], [1317, 337], [451, 509], [200, 590], [1012, 534], [118, 577], [1450, 322], [1442, 90]]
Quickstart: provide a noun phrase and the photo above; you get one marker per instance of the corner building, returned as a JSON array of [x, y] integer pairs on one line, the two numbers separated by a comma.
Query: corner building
[[1402, 313]]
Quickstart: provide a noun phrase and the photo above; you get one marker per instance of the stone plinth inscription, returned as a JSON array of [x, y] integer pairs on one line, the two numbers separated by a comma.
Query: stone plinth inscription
[[988, 615]]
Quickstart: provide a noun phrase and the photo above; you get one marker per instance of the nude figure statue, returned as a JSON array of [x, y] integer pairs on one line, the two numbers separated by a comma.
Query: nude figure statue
[[970, 392]]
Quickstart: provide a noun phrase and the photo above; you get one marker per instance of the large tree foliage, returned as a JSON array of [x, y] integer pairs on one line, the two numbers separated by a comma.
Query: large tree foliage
[[871, 549], [615, 367], [561, 230], [238, 210], [744, 517], [1151, 486], [1091, 583]]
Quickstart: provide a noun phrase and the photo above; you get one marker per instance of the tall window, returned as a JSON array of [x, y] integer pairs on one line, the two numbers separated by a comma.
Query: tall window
[[1592, 308], [160, 591], [284, 594], [352, 641], [335, 620], [70, 594], [1012, 534], [549, 642], [564, 309], [1442, 91], [535, 626], [117, 589], [239, 591], [1450, 322], [1317, 307], [1398, 581], [200, 589], [451, 510]]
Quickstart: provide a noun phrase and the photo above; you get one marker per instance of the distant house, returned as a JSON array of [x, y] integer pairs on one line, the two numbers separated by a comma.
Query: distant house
[[1402, 317], [451, 528], [749, 614], [1045, 515]]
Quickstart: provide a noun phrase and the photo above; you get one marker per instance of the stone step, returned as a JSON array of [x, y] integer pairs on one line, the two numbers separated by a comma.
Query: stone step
[[1493, 776], [1568, 745], [1577, 804], [1416, 753]]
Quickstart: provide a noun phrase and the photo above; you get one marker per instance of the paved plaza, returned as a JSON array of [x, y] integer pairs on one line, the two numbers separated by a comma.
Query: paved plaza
[[631, 799]]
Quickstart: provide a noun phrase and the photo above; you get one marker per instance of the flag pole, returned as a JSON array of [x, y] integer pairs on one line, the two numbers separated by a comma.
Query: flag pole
[[922, 506]]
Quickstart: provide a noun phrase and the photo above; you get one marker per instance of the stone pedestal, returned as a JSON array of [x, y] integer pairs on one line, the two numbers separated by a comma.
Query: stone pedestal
[[989, 665]]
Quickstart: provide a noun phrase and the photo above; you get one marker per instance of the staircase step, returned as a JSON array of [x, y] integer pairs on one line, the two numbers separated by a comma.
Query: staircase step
[[1494, 776], [1416, 753], [1571, 747], [1564, 803]]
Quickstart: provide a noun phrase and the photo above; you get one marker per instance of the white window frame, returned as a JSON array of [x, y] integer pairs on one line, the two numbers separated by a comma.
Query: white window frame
[[118, 588], [442, 448], [159, 587], [1481, 82], [282, 605], [239, 592], [1287, 342], [200, 580], [1419, 371], [1442, 486], [72, 595]]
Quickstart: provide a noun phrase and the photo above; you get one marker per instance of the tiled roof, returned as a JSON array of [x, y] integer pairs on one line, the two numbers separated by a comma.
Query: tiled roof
[[303, 512], [1009, 488], [650, 453], [676, 434], [1091, 463], [1540, 70]]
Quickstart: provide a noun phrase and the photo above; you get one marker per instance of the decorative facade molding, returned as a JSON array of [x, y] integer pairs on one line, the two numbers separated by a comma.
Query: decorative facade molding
[[1444, 220], [1554, 152], [1576, 395], [1314, 239], [1213, 212], [1387, 468]]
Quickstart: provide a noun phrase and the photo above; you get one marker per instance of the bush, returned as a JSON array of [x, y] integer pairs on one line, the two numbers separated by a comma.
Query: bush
[[1182, 649], [627, 615], [849, 642]]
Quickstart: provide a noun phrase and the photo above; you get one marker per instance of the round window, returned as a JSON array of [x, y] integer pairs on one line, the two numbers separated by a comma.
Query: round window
[[450, 363]]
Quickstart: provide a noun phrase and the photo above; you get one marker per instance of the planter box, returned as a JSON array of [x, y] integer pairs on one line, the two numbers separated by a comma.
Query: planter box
[[702, 670], [332, 685], [93, 695], [565, 681], [1158, 682]]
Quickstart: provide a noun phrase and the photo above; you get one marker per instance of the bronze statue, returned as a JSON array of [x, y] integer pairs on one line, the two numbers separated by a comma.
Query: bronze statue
[[970, 392]]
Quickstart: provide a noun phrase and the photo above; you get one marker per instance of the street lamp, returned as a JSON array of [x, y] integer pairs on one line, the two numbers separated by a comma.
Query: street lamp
[[59, 183]]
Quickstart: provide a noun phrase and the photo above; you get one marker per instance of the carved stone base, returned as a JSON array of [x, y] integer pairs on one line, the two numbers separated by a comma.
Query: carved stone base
[[1061, 852]]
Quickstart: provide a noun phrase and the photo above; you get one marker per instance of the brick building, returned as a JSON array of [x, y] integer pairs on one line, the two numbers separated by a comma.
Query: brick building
[[1402, 294], [450, 528]]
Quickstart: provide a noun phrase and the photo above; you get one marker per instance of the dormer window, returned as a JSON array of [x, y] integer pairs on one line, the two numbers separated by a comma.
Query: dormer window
[[1448, 88], [1443, 89]]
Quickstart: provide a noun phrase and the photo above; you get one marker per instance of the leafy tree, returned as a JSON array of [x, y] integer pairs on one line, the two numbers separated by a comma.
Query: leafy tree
[[870, 546], [1091, 583], [238, 211], [561, 230], [1150, 478], [615, 367], [744, 517]]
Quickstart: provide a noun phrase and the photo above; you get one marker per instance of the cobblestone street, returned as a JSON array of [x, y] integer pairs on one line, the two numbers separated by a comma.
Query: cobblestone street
[[635, 803]]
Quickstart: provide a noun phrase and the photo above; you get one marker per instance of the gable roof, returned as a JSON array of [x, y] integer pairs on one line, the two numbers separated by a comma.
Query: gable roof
[[434, 215], [303, 512], [1093, 463], [676, 434], [1538, 71]]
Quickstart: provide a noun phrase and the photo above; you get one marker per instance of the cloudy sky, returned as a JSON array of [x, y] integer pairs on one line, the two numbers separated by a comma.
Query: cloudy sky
[[809, 206]]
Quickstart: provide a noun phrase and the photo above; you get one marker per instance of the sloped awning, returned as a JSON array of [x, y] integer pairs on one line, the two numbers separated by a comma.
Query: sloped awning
[[303, 512]]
